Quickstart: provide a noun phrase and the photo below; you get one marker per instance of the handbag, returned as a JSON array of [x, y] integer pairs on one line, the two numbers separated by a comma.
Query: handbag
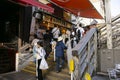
[[43, 64]]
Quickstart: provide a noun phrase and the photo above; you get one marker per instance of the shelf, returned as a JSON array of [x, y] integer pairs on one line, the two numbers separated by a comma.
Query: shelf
[[57, 21]]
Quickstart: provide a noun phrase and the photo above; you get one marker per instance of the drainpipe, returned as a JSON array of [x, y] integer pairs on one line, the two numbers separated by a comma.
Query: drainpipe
[[108, 23]]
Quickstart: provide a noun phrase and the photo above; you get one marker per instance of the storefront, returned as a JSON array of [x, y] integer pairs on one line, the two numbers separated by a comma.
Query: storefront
[[9, 22], [14, 25], [48, 21], [15, 22]]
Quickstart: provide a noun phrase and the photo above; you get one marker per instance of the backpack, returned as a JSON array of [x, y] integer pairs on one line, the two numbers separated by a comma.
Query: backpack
[[78, 35]]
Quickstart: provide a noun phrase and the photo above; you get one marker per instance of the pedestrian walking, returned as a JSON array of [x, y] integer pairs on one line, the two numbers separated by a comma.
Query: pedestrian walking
[[80, 30], [40, 54], [34, 47], [73, 38], [53, 43], [47, 45], [68, 52], [55, 32], [59, 50]]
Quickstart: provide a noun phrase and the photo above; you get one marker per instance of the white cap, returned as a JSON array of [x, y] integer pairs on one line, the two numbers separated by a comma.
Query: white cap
[[60, 38]]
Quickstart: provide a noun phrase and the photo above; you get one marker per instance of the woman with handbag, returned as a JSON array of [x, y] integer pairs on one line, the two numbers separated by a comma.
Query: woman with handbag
[[40, 54]]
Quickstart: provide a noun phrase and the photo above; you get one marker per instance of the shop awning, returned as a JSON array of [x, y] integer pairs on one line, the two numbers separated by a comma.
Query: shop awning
[[37, 4], [84, 7]]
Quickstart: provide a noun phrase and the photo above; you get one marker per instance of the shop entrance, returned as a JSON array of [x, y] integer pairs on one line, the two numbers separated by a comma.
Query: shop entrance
[[9, 17], [9, 22]]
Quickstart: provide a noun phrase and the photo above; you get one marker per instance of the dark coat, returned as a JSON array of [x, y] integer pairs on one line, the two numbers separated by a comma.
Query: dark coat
[[59, 49]]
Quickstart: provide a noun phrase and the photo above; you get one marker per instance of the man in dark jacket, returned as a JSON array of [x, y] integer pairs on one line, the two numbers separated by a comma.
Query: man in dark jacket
[[47, 46], [59, 50]]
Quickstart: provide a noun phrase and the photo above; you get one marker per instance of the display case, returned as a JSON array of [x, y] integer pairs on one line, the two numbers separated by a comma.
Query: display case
[[50, 20]]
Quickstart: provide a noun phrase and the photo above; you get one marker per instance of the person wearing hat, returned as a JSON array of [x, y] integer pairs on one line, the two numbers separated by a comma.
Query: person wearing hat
[[59, 50], [55, 32]]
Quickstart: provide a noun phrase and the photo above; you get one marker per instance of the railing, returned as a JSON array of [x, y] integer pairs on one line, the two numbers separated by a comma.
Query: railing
[[22, 58], [85, 55], [115, 35]]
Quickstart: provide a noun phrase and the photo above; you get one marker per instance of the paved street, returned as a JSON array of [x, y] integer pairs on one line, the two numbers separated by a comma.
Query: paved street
[[17, 76], [100, 77], [27, 76]]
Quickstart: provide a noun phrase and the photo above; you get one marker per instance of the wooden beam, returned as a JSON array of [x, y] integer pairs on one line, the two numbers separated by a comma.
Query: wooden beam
[[108, 24]]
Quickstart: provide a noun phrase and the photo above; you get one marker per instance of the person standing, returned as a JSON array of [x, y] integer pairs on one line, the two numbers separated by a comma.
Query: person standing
[[73, 38], [55, 32], [34, 46], [68, 33], [68, 51], [64, 35], [80, 30], [59, 50], [40, 53], [53, 44], [47, 45], [40, 32]]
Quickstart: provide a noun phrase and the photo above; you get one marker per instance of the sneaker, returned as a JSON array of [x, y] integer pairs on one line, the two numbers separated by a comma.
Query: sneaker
[[58, 71], [60, 66]]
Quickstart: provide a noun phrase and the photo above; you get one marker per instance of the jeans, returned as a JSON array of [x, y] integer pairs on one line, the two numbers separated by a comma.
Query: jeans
[[59, 61], [39, 71]]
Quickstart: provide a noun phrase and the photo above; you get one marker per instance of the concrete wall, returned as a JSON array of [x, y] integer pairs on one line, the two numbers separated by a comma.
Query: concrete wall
[[108, 59]]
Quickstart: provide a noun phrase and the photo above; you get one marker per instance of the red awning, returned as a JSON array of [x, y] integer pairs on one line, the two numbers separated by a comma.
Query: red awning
[[85, 7], [38, 4]]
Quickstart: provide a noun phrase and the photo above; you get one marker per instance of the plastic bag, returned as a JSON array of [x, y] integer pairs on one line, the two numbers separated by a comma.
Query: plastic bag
[[43, 64]]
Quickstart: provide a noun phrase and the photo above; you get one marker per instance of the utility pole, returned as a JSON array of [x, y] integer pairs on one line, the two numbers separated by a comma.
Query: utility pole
[[108, 24]]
